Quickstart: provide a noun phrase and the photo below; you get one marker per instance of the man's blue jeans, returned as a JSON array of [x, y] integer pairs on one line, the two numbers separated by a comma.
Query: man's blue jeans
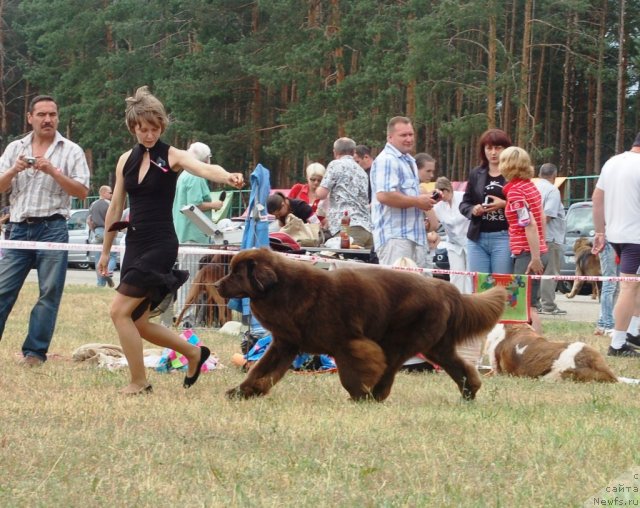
[[608, 291], [490, 254], [52, 271]]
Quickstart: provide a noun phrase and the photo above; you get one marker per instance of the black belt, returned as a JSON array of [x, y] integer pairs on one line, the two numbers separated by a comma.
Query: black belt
[[39, 220]]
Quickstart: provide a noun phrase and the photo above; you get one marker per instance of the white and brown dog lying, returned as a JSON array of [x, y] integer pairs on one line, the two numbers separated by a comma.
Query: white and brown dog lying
[[518, 350]]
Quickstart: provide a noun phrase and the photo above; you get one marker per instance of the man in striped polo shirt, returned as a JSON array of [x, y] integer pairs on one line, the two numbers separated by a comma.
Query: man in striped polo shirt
[[397, 206]]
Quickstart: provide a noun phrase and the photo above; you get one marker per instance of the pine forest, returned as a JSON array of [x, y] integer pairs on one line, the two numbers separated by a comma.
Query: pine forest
[[277, 81]]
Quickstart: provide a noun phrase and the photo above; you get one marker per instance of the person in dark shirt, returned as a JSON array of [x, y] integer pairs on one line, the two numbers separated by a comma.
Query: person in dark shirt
[[280, 206]]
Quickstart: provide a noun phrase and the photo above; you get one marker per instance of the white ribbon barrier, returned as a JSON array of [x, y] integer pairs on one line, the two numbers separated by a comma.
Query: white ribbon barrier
[[17, 244]]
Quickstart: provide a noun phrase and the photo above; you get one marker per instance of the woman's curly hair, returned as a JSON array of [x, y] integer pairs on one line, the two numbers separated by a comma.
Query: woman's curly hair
[[515, 163]]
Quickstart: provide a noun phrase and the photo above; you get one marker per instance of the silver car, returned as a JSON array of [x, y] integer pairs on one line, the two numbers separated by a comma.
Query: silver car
[[79, 234]]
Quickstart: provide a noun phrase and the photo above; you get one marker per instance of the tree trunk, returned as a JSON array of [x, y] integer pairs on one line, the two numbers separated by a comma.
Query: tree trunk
[[25, 105], [622, 80], [333, 31], [566, 103], [506, 106], [457, 157], [491, 69], [597, 135], [411, 99], [525, 79], [256, 105], [591, 100], [3, 92], [538, 97]]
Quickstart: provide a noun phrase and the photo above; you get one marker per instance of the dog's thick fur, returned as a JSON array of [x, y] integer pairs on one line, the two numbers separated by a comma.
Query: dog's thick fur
[[369, 319], [518, 350], [586, 264]]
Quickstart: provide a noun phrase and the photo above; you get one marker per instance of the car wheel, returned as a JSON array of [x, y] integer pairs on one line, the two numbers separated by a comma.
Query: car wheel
[[564, 286], [83, 266]]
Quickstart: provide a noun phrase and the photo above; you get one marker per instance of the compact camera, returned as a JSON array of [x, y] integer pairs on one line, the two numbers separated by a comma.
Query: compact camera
[[435, 195], [30, 160]]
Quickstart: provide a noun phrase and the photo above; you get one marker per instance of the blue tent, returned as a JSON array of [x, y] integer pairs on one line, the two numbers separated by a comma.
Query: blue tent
[[256, 233]]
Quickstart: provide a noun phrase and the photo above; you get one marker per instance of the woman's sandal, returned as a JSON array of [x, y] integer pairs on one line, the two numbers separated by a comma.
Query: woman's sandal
[[204, 354]]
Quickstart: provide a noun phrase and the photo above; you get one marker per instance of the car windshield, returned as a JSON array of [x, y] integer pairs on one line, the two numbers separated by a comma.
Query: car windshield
[[77, 220], [580, 220]]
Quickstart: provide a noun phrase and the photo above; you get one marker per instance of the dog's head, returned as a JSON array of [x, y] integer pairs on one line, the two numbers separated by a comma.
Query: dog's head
[[251, 274], [581, 244], [502, 332], [494, 337]]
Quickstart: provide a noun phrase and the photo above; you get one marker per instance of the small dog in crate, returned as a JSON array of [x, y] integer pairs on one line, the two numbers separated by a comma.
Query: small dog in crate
[[211, 308]]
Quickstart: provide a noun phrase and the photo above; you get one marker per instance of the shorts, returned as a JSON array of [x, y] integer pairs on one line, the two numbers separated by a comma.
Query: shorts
[[395, 248], [629, 254]]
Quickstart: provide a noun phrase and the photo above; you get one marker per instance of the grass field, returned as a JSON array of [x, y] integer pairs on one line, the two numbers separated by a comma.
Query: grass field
[[68, 439]]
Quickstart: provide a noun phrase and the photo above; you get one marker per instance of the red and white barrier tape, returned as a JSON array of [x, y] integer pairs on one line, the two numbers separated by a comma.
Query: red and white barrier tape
[[19, 244]]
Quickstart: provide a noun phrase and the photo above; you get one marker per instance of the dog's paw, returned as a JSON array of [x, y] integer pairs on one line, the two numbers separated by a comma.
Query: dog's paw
[[468, 396], [239, 392], [236, 393]]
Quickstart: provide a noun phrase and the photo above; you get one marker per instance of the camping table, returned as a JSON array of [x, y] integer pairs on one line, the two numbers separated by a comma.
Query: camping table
[[357, 254]]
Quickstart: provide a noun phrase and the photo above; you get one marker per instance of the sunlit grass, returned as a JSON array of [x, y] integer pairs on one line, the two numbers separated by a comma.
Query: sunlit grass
[[68, 439]]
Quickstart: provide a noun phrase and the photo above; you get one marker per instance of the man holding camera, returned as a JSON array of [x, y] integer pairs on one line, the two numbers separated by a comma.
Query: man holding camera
[[396, 202], [42, 170]]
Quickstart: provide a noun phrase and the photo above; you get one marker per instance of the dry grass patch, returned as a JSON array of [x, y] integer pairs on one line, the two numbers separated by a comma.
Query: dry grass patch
[[69, 439]]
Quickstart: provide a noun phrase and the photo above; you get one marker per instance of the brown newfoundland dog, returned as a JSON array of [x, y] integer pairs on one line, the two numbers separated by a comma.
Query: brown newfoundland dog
[[370, 319]]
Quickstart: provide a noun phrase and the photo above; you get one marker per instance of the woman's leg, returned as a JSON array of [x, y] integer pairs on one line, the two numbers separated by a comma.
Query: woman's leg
[[458, 263], [479, 259], [121, 308], [164, 337], [501, 260], [131, 334]]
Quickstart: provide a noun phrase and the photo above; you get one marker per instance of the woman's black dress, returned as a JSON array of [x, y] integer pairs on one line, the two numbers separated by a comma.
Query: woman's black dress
[[151, 245]]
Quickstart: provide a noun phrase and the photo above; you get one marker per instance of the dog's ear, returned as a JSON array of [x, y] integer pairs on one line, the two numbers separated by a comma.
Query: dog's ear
[[262, 275]]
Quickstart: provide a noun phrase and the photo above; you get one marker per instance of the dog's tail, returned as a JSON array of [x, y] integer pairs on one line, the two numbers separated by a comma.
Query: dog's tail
[[476, 314]]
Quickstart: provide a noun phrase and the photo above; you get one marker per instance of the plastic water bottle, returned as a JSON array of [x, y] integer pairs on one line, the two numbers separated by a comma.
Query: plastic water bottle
[[345, 241]]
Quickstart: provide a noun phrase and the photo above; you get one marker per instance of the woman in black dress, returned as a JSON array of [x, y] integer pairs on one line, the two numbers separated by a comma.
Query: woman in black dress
[[148, 174]]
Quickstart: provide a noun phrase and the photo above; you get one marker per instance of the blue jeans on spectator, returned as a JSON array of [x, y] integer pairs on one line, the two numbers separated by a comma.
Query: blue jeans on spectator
[[52, 271], [98, 237], [490, 254], [608, 291]]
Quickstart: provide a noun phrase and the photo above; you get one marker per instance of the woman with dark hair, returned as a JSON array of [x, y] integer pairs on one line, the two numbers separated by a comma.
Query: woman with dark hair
[[280, 206], [483, 204]]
